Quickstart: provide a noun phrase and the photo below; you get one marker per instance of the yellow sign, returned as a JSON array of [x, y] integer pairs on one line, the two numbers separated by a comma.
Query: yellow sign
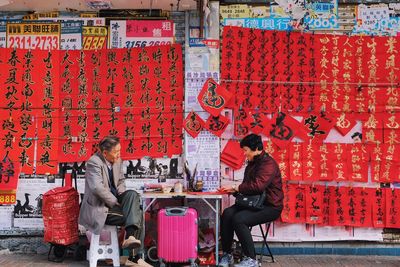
[[235, 11], [33, 28], [94, 37], [7, 198], [34, 16], [34, 35], [88, 15]]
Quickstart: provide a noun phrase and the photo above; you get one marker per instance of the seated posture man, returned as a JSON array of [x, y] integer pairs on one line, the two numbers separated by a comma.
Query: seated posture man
[[106, 199]]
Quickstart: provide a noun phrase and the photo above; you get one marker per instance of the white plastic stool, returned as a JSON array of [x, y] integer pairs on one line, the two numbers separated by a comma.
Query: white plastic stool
[[100, 251]]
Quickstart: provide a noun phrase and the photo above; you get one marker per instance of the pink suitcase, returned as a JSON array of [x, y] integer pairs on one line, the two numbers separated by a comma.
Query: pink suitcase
[[177, 235]]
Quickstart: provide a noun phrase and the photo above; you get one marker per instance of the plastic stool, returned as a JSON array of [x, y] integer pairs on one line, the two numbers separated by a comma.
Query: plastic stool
[[100, 251]]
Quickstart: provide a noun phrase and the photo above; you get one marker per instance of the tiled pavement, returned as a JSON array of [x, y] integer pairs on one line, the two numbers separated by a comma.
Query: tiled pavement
[[22, 260]]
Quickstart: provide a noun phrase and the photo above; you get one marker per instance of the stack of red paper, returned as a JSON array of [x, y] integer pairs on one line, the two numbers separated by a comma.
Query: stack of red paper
[[232, 155]]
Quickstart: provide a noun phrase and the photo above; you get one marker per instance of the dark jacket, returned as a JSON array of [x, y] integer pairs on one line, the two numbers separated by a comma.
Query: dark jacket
[[263, 173]]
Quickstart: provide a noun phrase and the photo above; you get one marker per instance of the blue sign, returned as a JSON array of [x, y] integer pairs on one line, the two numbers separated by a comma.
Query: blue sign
[[281, 24]]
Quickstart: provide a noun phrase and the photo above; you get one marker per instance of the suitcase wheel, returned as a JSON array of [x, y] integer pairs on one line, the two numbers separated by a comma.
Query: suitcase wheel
[[59, 251]]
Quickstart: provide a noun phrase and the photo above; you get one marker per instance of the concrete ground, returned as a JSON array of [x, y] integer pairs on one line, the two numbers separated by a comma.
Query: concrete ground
[[25, 260]]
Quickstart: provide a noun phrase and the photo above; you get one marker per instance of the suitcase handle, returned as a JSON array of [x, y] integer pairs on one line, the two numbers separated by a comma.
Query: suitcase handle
[[176, 211]]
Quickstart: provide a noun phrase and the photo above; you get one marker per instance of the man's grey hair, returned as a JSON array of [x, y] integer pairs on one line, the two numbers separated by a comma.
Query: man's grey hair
[[108, 143]]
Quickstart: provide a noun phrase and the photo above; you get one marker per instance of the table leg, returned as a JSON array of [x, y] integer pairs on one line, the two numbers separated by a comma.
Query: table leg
[[217, 203]]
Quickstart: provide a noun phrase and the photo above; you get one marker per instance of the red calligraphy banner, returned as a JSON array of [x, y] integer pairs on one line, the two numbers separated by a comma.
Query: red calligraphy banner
[[379, 208], [392, 208], [100, 97], [376, 153], [296, 161], [11, 63], [326, 168], [335, 62], [338, 159], [389, 171], [282, 158], [48, 121], [360, 207], [339, 208], [241, 126], [372, 128], [314, 204], [294, 209], [326, 202], [311, 160], [357, 162], [391, 128]]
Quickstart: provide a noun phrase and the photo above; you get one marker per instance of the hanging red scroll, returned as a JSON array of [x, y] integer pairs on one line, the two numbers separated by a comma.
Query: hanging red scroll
[[338, 159], [339, 208], [357, 162], [48, 121], [314, 204], [389, 166], [360, 207], [241, 127], [311, 168], [391, 128], [379, 208], [326, 202], [294, 209], [282, 158], [373, 128], [295, 161], [392, 208], [326, 166]]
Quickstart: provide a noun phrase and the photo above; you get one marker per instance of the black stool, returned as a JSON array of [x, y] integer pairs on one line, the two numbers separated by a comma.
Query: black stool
[[265, 244]]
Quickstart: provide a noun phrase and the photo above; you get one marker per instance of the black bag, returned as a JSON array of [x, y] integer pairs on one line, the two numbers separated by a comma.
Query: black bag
[[252, 202]]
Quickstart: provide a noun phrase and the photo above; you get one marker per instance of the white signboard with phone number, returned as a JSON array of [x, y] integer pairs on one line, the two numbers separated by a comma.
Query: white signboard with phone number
[[45, 36], [141, 33]]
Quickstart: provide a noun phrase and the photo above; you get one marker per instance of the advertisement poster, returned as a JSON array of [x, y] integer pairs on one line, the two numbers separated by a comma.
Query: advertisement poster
[[45, 36], [154, 168], [3, 34], [86, 21], [28, 210], [377, 20], [6, 213], [323, 15], [141, 33], [94, 37], [71, 35], [202, 153]]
